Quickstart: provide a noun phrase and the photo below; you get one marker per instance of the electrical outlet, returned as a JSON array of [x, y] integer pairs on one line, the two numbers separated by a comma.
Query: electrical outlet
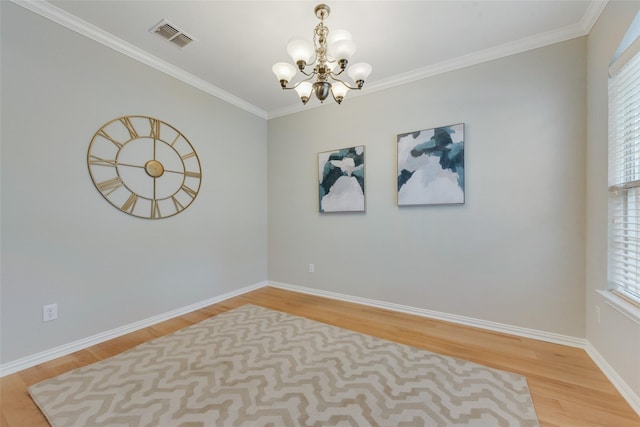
[[312, 268], [597, 313], [49, 312]]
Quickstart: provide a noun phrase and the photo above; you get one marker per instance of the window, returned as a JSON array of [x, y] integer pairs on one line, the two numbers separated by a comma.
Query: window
[[624, 170]]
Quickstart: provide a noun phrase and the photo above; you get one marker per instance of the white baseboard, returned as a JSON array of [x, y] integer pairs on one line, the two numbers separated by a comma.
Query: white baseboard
[[626, 392], [461, 320], [45, 356]]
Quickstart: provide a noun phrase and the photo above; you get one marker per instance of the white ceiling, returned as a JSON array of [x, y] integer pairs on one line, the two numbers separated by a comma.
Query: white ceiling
[[239, 41]]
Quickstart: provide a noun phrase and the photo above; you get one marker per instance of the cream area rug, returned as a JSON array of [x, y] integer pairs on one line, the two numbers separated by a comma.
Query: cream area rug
[[255, 367]]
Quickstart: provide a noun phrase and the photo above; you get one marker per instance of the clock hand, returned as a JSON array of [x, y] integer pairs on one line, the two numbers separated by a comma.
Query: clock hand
[[185, 173], [130, 165]]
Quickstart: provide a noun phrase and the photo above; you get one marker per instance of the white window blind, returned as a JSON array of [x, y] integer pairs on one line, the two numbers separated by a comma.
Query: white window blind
[[624, 174]]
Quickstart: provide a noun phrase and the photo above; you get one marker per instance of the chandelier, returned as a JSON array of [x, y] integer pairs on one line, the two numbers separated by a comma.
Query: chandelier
[[322, 61]]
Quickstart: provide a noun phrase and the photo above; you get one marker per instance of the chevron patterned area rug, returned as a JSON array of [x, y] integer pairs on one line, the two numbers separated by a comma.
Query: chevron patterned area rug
[[255, 367]]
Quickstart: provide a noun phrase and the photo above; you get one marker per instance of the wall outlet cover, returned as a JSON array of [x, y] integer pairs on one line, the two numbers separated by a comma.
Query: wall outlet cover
[[49, 312]]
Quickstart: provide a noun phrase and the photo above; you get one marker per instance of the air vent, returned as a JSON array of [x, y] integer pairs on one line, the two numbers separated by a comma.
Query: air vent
[[171, 33], [181, 40]]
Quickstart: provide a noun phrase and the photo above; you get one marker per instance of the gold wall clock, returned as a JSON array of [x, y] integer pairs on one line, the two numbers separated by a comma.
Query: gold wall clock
[[144, 167]]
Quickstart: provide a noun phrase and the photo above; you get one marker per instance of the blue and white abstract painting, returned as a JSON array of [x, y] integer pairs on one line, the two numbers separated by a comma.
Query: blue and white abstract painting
[[341, 178], [431, 166]]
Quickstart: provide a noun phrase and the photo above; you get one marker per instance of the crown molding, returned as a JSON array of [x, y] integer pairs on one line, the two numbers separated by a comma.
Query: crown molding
[[519, 46], [487, 55], [592, 14], [59, 16], [47, 10]]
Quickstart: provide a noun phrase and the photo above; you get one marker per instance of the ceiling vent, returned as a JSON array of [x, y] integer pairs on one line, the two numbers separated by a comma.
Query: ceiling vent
[[171, 33]]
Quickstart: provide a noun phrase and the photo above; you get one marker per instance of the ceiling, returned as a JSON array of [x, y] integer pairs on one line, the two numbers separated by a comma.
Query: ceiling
[[237, 42]]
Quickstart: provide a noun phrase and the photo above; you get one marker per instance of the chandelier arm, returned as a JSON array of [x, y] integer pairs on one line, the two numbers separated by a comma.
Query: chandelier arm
[[299, 83], [310, 74], [343, 82], [321, 67], [337, 74]]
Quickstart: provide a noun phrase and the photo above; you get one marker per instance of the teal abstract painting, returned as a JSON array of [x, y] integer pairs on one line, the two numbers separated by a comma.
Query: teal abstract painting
[[431, 166], [341, 180]]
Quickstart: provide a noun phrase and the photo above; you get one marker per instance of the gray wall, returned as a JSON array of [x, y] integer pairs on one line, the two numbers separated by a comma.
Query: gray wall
[[62, 242], [616, 337], [514, 253]]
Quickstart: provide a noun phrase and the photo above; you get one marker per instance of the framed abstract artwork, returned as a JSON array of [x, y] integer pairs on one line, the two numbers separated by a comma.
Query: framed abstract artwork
[[431, 166], [341, 180]]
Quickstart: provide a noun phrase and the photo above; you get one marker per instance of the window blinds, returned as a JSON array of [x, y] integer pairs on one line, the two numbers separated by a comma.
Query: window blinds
[[624, 174]]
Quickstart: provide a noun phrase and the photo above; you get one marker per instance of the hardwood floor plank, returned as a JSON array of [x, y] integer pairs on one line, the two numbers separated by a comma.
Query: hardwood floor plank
[[566, 386]]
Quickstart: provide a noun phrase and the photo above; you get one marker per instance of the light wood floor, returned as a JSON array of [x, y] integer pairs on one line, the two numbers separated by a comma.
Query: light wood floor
[[567, 388]]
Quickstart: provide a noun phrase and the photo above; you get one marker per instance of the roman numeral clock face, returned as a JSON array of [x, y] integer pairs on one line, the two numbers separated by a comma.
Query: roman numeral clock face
[[144, 167]]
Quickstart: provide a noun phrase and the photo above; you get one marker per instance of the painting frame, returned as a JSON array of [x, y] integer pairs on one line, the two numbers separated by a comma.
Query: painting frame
[[341, 180], [431, 166]]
